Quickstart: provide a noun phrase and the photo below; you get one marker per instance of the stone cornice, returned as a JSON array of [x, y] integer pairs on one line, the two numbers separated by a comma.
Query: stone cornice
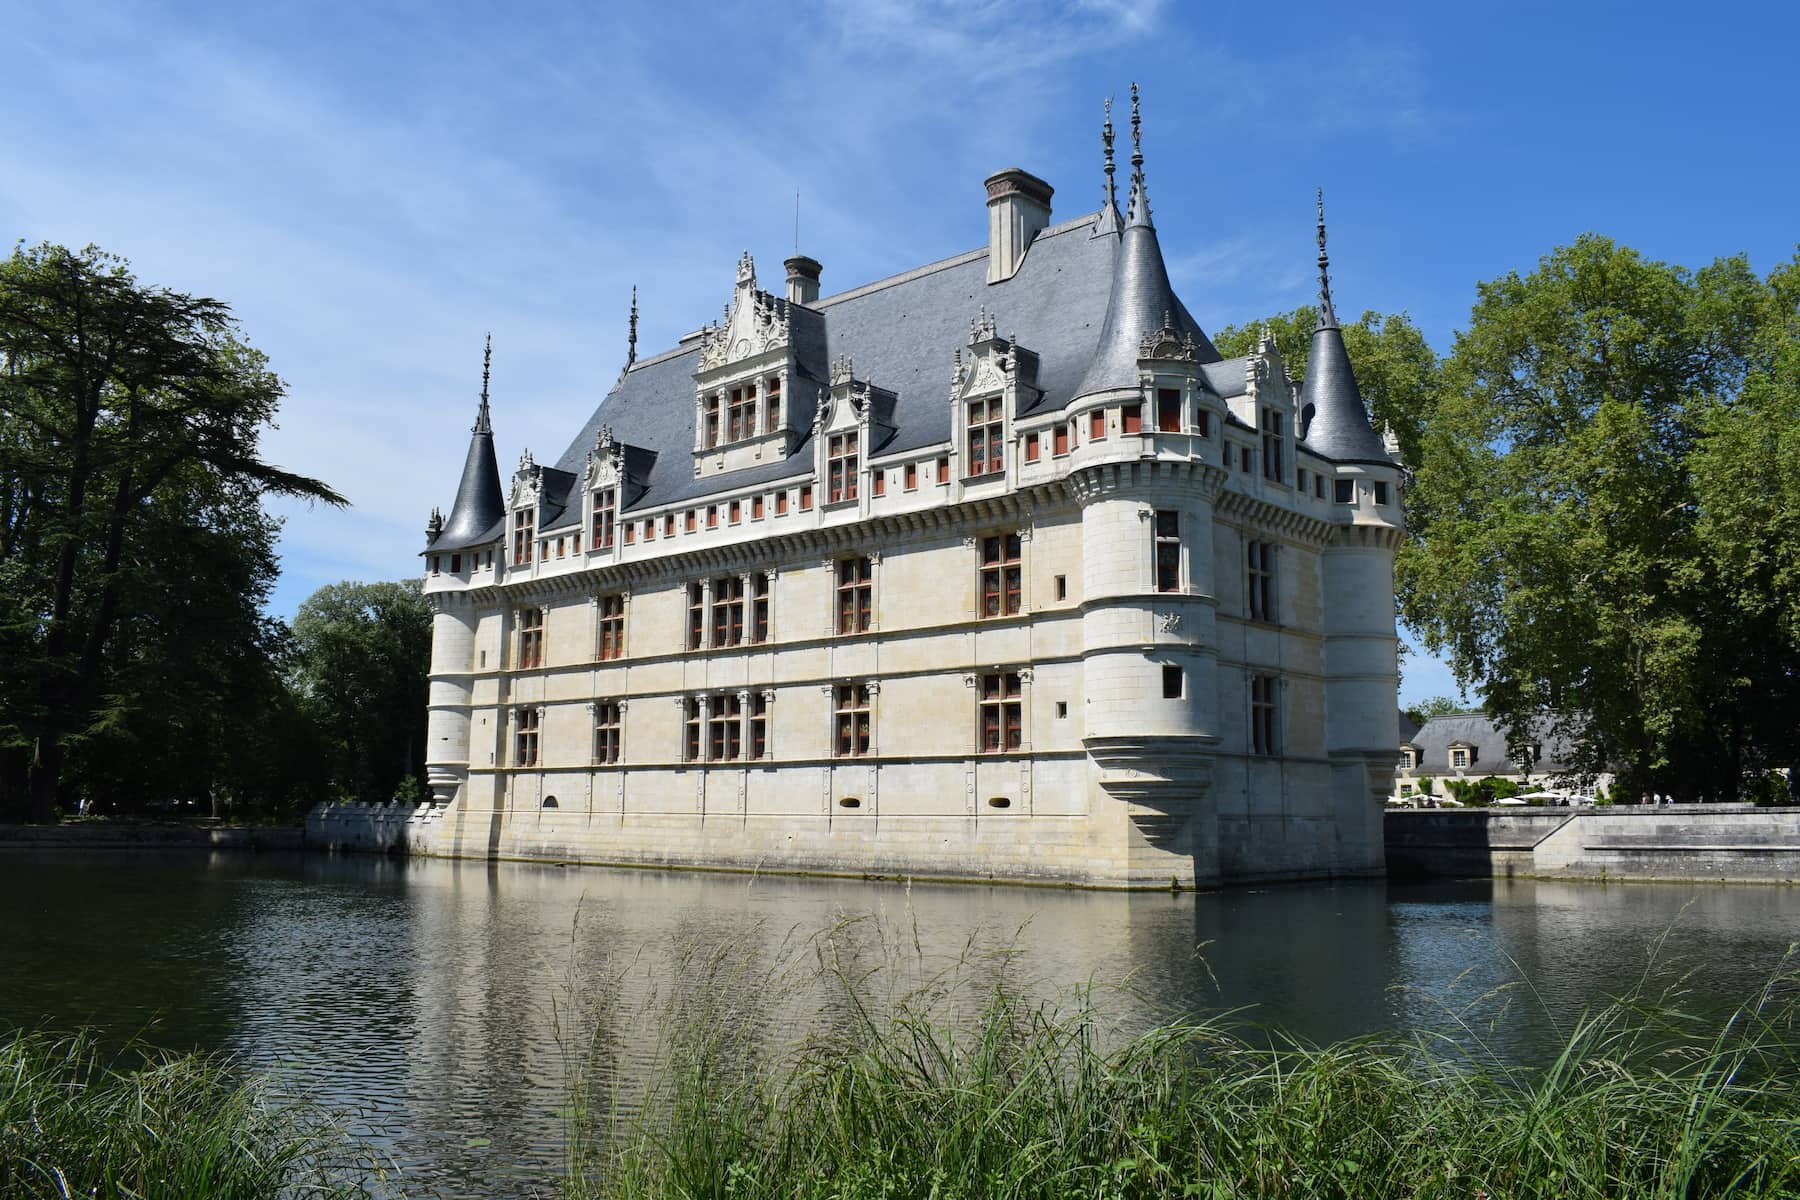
[[800, 545], [1297, 525], [1104, 479], [1368, 537]]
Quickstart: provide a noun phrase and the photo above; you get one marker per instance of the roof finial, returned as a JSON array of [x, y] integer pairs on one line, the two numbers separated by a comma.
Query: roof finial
[[1137, 136], [1106, 140], [1138, 211], [482, 423], [631, 343], [1326, 316]]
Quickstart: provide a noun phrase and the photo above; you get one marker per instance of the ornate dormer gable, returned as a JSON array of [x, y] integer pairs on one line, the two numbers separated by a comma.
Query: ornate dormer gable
[[522, 511], [744, 402], [754, 323], [1168, 343], [992, 381], [602, 489], [528, 483], [1268, 405], [856, 416]]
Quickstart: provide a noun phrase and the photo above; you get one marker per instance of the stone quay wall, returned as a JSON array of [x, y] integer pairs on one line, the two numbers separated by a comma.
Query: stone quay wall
[[391, 828], [1715, 843], [122, 835]]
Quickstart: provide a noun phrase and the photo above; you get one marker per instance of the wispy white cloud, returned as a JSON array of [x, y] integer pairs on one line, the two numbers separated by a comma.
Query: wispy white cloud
[[372, 192]]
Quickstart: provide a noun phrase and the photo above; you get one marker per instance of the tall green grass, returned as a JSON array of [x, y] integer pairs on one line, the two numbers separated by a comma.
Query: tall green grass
[[1647, 1098], [78, 1121]]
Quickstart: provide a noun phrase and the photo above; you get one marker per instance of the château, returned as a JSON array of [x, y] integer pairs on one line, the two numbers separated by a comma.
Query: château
[[991, 569]]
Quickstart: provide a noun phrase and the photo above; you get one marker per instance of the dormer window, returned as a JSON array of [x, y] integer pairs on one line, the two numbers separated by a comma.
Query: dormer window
[[987, 440], [712, 420], [1168, 410], [524, 534], [841, 464], [1273, 425], [741, 413], [604, 518]]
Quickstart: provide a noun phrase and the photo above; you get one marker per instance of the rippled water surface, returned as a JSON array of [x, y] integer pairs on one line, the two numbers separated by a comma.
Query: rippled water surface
[[438, 998]]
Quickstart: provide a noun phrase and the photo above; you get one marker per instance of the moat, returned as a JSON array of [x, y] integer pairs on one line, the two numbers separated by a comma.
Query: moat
[[428, 995]]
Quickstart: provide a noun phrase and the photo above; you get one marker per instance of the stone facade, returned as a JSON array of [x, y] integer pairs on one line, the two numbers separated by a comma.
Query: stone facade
[[984, 572]]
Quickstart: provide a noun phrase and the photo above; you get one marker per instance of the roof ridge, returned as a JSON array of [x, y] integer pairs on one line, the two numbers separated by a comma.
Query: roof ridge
[[1084, 221]]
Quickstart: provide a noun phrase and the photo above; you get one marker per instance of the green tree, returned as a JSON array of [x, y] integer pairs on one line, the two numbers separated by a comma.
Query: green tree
[[1559, 512], [363, 669], [130, 523], [1436, 706], [1396, 368]]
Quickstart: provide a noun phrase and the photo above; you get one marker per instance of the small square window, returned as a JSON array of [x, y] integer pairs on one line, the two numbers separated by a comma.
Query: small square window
[[1097, 425], [878, 481], [781, 503], [1344, 490], [1381, 491], [1131, 418], [943, 469], [1171, 683], [1031, 447], [1062, 587], [1062, 710], [806, 498], [737, 511], [712, 516], [912, 476]]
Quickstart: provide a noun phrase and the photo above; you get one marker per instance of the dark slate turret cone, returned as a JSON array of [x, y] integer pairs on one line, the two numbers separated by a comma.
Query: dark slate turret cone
[[480, 507], [1142, 297], [1334, 419]]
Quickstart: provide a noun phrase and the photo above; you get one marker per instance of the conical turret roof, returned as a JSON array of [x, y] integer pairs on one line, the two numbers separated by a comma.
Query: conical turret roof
[[1334, 419], [480, 509], [1143, 302]]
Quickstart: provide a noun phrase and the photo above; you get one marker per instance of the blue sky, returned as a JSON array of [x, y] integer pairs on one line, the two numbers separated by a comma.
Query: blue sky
[[374, 186]]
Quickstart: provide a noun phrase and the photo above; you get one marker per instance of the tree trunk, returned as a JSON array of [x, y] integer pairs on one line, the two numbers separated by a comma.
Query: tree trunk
[[46, 773]]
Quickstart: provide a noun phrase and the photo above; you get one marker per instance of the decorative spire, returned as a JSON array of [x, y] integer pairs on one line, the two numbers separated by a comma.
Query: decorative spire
[[1106, 140], [483, 423], [631, 343], [1327, 317], [1138, 210]]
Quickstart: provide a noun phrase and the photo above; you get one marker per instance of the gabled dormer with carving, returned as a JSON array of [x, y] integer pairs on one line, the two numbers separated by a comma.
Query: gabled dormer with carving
[[522, 511], [855, 418], [1177, 397], [1268, 406], [746, 410], [992, 380]]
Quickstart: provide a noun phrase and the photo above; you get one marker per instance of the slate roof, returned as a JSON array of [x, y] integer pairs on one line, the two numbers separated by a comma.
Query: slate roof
[[1478, 731], [901, 334], [479, 514], [1334, 419], [1081, 301]]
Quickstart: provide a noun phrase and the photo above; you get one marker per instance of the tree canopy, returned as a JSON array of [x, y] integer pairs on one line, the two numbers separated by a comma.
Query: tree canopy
[[135, 556], [1603, 512], [361, 676]]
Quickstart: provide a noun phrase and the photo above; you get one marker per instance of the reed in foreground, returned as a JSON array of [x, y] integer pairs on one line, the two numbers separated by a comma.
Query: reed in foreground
[[151, 1125], [1644, 1100]]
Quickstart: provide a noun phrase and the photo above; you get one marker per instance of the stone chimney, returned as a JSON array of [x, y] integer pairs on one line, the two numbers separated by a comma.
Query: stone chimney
[[802, 279], [1018, 210]]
